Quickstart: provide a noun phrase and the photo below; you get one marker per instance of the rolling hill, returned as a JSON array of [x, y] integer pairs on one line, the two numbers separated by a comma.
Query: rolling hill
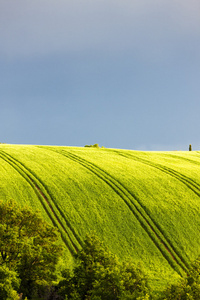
[[143, 205]]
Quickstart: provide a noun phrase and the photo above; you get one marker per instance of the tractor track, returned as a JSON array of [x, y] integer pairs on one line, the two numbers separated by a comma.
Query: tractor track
[[45, 200], [190, 183], [148, 224]]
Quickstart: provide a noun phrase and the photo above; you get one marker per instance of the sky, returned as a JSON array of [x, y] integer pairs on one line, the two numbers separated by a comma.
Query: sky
[[120, 73]]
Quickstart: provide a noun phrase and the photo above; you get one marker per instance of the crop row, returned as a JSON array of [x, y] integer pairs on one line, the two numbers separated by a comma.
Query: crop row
[[136, 208], [191, 184], [187, 181], [54, 213]]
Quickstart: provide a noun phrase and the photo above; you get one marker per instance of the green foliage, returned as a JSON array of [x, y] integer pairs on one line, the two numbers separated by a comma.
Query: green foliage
[[28, 246], [93, 146], [9, 283], [99, 275], [187, 288], [143, 205]]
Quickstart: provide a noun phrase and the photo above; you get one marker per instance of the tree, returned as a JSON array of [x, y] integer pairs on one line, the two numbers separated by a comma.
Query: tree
[[9, 283], [29, 246], [99, 275], [187, 288]]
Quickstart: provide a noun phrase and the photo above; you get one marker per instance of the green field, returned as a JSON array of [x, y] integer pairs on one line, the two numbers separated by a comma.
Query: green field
[[143, 205]]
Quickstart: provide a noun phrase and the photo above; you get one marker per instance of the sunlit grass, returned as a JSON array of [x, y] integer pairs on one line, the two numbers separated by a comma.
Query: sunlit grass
[[143, 205]]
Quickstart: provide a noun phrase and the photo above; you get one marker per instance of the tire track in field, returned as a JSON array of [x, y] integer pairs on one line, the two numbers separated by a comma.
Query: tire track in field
[[135, 207], [44, 198], [190, 160], [191, 184]]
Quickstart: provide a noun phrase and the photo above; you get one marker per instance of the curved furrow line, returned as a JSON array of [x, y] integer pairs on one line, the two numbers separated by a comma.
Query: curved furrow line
[[186, 178], [132, 202], [35, 188], [190, 160], [190, 183], [71, 228], [135, 201], [44, 198]]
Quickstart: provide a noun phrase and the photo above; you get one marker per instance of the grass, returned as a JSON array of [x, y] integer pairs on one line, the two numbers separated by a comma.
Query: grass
[[143, 205]]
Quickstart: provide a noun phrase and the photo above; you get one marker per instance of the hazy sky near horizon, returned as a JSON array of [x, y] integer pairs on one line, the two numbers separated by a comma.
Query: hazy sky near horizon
[[120, 73]]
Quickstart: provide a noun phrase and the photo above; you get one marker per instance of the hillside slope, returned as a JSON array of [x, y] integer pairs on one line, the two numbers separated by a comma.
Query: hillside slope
[[143, 205]]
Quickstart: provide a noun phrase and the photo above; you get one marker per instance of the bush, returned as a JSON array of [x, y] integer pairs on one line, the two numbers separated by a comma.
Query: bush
[[9, 283], [99, 275], [93, 146], [30, 247], [188, 288]]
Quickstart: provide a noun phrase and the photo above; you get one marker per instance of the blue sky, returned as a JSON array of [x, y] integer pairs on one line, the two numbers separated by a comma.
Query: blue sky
[[120, 73]]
